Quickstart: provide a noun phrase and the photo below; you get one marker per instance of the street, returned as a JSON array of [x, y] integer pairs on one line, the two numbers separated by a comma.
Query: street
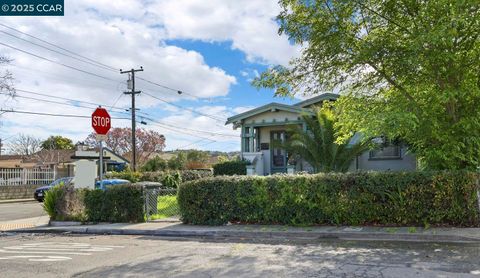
[[26, 255], [20, 210]]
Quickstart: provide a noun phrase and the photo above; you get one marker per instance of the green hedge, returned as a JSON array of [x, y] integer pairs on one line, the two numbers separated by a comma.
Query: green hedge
[[120, 203], [230, 168], [383, 198], [168, 178]]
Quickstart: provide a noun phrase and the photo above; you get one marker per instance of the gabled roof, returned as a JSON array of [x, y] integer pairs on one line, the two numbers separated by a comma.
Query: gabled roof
[[319, 98], [262, 109]]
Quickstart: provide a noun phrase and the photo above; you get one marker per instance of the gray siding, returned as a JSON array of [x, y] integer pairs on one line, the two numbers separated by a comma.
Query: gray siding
[[407, 162]]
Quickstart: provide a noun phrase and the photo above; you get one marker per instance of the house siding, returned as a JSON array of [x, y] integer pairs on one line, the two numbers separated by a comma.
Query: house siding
[[407, 162]]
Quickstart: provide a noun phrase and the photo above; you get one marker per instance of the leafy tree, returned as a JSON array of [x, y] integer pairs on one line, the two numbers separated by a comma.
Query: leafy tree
[[155, 164], [178, 162], [406, 69], [318, 144], [197, 159], [57, 143]]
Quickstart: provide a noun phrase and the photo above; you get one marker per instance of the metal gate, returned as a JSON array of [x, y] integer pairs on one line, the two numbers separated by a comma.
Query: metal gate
[[161, 204]]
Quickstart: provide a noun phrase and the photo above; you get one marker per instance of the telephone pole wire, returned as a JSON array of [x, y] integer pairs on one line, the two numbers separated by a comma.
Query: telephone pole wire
[[131, 85]]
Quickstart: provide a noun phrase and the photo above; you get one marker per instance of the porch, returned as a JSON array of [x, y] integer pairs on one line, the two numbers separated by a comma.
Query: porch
[[266, 158]]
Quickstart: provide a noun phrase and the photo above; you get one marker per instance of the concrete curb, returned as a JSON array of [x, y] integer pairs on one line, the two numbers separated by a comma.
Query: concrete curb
[[275, 235], [17, 201]]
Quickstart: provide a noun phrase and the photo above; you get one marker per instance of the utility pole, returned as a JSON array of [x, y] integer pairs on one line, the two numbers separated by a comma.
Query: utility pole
[[131, 85]]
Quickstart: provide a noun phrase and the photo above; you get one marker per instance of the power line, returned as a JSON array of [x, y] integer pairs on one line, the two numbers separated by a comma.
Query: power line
[[59, 47], [54, 115], [183, 107], [58, 63], [105, 66], [66, 55], [94, 105], [69, 99]]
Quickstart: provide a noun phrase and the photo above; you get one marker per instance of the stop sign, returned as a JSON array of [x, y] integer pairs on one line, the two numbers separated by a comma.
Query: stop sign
[[101, 122]]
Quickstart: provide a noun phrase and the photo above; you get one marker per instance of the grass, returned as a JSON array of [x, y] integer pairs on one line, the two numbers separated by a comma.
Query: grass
[[167, 207]]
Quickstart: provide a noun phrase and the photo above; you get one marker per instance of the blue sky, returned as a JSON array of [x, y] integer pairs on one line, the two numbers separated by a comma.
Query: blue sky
[[210, 50]]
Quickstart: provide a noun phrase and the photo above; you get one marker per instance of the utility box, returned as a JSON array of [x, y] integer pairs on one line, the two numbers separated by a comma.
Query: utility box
[[85, 173]]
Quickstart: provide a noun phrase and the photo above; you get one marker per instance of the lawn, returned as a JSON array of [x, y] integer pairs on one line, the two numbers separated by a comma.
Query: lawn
[[167, 207]]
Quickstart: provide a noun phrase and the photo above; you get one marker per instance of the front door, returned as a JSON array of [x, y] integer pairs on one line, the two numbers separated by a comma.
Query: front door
[[278, 159]]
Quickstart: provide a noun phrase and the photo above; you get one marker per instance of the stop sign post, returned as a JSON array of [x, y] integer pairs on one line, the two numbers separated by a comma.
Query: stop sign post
[[101, 123]]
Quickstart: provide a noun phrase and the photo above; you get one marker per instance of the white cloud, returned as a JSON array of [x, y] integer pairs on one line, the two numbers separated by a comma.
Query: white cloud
[[249, 24], [127, 34]]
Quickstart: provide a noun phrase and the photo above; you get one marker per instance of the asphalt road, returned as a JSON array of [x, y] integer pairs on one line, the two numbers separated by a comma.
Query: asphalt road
[[129, 256], [20, 210]]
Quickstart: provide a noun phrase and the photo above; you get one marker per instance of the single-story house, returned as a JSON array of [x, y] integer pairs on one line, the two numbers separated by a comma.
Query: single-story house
[[62, 161], [262, 125]]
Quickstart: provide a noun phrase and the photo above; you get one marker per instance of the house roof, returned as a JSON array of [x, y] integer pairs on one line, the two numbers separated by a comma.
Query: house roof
[[262, 109], [319, 98], [296, 108]]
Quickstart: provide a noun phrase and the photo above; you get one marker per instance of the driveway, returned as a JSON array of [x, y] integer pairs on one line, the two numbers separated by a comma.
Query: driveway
[[20, 210]]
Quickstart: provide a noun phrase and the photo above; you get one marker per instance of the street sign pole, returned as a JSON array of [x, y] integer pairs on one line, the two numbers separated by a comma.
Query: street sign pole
[[101, 123], [101, 162]]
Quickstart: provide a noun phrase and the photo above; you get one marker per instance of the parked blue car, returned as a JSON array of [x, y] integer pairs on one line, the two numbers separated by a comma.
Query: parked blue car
[[40, 192], [109, 182]]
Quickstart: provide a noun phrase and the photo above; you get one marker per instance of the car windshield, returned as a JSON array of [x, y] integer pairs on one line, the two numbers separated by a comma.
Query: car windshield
[[60, 181]]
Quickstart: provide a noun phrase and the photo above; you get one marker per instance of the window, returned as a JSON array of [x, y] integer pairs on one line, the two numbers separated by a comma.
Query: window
[[246, 139], [386, 149]]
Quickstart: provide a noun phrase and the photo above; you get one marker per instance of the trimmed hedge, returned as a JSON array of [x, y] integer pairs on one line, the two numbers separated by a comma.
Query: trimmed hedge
[[230, 168], [381, 198], [120, 203], [168, 178]]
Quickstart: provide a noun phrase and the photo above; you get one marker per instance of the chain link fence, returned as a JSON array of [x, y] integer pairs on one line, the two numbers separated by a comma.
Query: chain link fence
[[161, 203]]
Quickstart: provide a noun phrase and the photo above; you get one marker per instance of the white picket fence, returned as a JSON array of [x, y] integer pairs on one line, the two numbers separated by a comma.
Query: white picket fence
[[27, 176]]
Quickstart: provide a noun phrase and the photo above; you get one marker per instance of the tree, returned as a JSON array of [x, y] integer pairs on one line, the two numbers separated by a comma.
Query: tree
[[6, 78], [25, 145], [178, 162], [197, 159], [406, 69], [119, 140], [318, 144], [57, 143], [155, 164]]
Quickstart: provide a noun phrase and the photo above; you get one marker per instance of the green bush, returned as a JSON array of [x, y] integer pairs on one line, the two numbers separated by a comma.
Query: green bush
[[63, 203], [170, 178], [120, 203], [382, 198], [155, 164], [230, 168], [125, 175], [50, 201]]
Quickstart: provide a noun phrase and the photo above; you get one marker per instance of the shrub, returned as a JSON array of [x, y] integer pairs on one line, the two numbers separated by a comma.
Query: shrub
[[50, 201], [230, 168], [384, 198], [122, 203], [189, 175], [155, 164], [126, 175], [63, 203], [168, 178]]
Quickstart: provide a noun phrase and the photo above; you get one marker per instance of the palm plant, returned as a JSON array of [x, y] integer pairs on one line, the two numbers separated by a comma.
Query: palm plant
[[318, 144]]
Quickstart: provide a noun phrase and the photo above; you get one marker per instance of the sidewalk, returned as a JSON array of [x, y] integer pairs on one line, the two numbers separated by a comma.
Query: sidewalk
[[271, 232], [25, 223], [17, 201]]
